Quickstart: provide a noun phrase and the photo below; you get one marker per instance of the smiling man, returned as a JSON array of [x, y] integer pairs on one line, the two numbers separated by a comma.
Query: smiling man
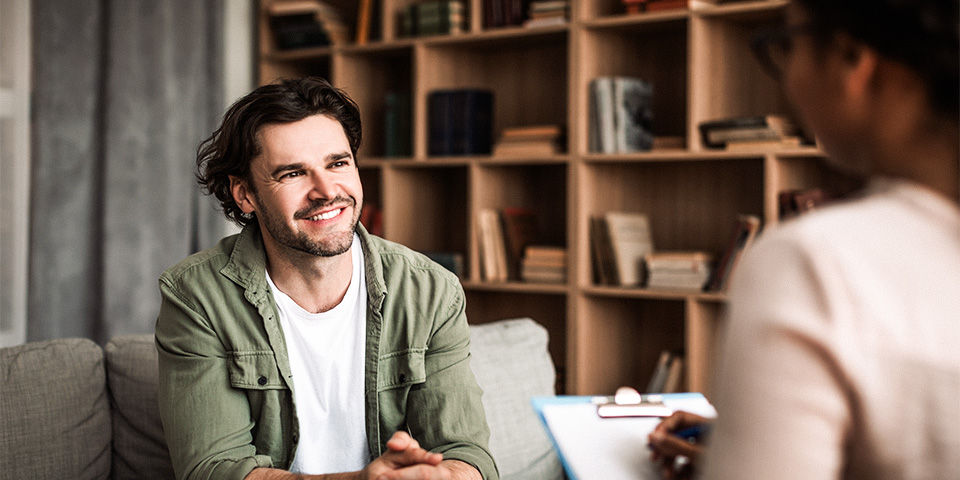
[[304, 347]]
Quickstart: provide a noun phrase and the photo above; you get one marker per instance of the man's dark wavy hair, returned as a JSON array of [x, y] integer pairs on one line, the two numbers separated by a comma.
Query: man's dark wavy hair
[[233, 146], [921, 34]]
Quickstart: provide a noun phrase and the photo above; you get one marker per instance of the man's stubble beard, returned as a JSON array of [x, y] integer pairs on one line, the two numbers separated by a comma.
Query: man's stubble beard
[[299, 241]]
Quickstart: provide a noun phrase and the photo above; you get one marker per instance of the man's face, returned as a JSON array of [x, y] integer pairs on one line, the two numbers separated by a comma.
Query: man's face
[[305, 188]]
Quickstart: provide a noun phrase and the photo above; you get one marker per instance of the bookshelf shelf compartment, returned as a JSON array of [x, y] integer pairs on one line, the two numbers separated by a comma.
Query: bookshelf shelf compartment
[[624, 337], [701, 67]]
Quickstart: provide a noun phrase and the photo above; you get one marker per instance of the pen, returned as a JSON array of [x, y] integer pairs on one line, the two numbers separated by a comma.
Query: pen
[[692, 433]]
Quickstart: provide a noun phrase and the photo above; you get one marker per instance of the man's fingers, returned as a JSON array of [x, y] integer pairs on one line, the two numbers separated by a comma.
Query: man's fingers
[[401, 441]]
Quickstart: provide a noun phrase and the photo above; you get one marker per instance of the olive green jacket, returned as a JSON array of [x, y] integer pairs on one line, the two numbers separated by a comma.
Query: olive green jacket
[[226, 391]]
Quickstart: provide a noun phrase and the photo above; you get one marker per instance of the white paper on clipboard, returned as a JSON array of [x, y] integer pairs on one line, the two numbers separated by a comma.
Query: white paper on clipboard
[[595, 448]]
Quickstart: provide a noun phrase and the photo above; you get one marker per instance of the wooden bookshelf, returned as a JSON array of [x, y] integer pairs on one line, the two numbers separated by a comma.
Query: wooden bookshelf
[[701, 68]]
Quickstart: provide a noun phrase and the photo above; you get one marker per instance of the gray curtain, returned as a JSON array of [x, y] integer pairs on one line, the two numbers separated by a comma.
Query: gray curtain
[[124, 91]]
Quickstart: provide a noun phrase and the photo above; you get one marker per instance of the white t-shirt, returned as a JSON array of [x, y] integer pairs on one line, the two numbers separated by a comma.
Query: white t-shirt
[[326, 352], [841, 357]]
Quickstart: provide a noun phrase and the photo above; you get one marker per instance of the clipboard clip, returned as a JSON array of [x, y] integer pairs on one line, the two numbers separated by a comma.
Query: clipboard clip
[[628, 402]]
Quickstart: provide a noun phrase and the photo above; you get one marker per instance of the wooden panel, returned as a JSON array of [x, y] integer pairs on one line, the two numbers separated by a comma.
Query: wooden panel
[[383, 72], [619, 341], [426, 209], [703, 324], [691, 205]]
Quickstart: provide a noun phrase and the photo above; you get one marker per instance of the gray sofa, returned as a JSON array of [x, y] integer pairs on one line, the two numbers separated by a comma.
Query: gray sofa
[[69, 409]]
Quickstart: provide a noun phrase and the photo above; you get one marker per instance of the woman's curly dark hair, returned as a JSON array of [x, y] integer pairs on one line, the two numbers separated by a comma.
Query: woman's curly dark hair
[[233, 146], [922, 34]]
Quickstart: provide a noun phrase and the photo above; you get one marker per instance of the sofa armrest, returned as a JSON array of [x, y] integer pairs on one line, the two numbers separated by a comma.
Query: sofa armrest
[[512, 365]]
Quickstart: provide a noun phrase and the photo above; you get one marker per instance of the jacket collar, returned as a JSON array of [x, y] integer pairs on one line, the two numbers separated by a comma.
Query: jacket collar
[[248, 263]]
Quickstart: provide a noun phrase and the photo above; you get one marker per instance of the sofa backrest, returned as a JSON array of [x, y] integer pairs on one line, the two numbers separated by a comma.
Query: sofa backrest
[[54, 411], [139, 447], [74, 379]]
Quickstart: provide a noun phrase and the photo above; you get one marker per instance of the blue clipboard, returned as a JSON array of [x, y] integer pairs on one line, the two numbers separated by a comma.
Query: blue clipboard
[[592, 447]]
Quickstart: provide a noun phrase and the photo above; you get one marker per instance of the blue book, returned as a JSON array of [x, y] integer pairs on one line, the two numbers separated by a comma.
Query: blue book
[[460, 122]]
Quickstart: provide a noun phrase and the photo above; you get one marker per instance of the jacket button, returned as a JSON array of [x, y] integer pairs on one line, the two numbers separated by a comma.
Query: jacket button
[[403, 378], [262, 381]]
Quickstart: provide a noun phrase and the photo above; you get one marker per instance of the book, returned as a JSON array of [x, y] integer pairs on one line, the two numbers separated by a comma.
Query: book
[[520, 230], [621, 117], [661, 371], [452, 261], [692, 261], [545, 254], [542, 263], [541, 274], [717, 133], [493, 257], [530, 140], [791, 141], [678, 270], [742, 234], [602, 116], [630, 241], [460, 122], [604, 270], [633, 98], [398, 134], [678, 279], [364, 21], [674, 381], [435, 17]]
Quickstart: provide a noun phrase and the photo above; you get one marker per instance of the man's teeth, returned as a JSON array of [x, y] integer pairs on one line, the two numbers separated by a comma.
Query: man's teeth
[[326, 216]]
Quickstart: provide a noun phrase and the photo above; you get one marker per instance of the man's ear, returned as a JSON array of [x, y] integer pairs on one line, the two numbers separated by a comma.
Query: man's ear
[[242, 194]]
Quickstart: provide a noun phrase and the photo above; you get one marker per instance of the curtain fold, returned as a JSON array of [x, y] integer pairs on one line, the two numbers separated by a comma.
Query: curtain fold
[[124, 92]]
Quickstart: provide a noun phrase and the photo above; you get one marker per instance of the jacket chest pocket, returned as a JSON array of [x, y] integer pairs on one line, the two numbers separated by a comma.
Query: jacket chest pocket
[[255, 370], [401, 369]]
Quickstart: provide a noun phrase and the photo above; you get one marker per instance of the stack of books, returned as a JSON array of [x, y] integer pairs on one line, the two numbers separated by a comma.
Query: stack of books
[[545, 13], [546, 264], [529, 141], [751, 132], [435, 17], [638, 6], [678, 270]]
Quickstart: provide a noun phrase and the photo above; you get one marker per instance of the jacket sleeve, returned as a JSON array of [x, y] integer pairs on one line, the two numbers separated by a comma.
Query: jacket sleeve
[[445, 412], [207, 423]]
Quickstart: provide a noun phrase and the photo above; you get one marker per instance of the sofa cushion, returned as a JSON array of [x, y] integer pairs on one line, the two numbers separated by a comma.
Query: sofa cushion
[[139, 447], [512, 364], [61, 428]]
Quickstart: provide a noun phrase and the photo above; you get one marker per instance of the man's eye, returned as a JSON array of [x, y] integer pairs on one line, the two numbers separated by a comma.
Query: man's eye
[[290, 175]]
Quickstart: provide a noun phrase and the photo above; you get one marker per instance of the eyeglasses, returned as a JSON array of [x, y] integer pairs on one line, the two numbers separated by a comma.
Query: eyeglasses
[[772, 47]]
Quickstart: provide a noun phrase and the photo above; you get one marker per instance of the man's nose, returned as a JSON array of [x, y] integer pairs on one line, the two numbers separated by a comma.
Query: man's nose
[[323, 186]]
